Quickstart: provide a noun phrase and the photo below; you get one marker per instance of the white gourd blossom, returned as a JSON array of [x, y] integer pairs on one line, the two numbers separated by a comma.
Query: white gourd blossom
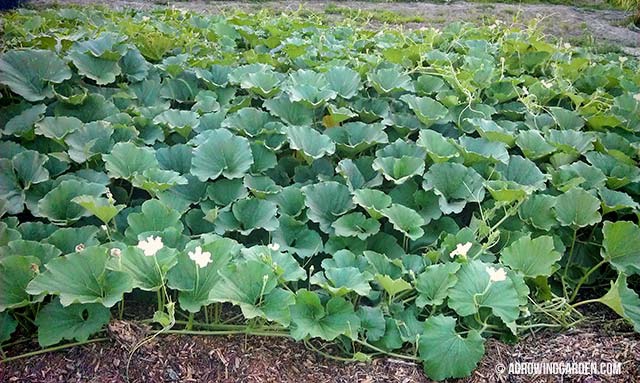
[[150, 246], [79, 247], [636, 97], [461, 249], [496, 274], [201, 258], [115, 252], [274, 247]]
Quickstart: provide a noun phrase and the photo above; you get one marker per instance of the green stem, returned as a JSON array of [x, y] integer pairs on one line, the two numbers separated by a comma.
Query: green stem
[[584, 279], [573, 243], [393, 354], [326, 355], [216, 312], [226, 326], [573, 306], [51, 349], [190, 322], [159, 300], [121, 308], [228, 332]]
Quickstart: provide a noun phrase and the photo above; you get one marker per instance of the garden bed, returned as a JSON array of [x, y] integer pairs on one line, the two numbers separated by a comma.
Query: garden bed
[[385, 196]]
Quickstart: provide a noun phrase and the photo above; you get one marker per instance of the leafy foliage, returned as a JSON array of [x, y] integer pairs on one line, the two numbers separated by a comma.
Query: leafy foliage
[[374, 189]]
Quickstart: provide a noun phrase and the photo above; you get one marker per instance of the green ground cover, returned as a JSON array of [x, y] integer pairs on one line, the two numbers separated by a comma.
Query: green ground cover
[[401, 193]]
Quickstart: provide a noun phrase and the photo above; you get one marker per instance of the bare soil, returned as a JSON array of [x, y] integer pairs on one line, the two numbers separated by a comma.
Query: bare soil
[[571, 23]]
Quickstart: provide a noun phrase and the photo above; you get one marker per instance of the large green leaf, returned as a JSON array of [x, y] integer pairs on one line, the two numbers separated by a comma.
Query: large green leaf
[[247, 284], [126, 160], [102, 71], [619, 246], [340, 281], [22, 124], [455, 185], [293, 113], [624, 301], [311, 142], [434, 283], [310, 319], [29, 168], [222, 154], [373, 201], [8, 326], [356, 225], [82, 278], [326, 202], [78, 321], [355, 137], [196, 283], [154, 217], [344, 81], [16, 271], [405, 220], [437, 146], [538, 211], [180, 121], [390, 80], [446, 354], [253, 213], [577, 208], [474, 290], [57, 127], [428, 110], [103, 208], [532, 257], [147, 273], [30, 72], [57, 206], [91, 139]]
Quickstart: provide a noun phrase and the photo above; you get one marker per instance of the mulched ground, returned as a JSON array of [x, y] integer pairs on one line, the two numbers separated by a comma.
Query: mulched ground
[[227, 359]]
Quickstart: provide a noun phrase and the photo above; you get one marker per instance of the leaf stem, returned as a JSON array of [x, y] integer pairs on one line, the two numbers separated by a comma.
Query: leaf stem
[[573, 243], [246, 331], [595, 300], [327, 355], [584, 279], [393, 354], [51, 349]]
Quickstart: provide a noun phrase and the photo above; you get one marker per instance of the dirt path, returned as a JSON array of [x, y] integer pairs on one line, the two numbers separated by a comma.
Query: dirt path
[[255, 359], [567, 22]]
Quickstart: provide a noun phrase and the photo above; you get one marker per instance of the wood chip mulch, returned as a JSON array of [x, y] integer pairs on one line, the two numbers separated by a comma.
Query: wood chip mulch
[[254, 359]]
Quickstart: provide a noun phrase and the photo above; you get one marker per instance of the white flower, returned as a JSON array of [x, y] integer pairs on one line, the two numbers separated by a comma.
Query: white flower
[[103, 227], [115, 252], [274, 247], [567, 46], [623, 59], [636, 97], [151, 245], [79, 247], [461, 249], [546, 84], [201, 258], [496, 275]]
